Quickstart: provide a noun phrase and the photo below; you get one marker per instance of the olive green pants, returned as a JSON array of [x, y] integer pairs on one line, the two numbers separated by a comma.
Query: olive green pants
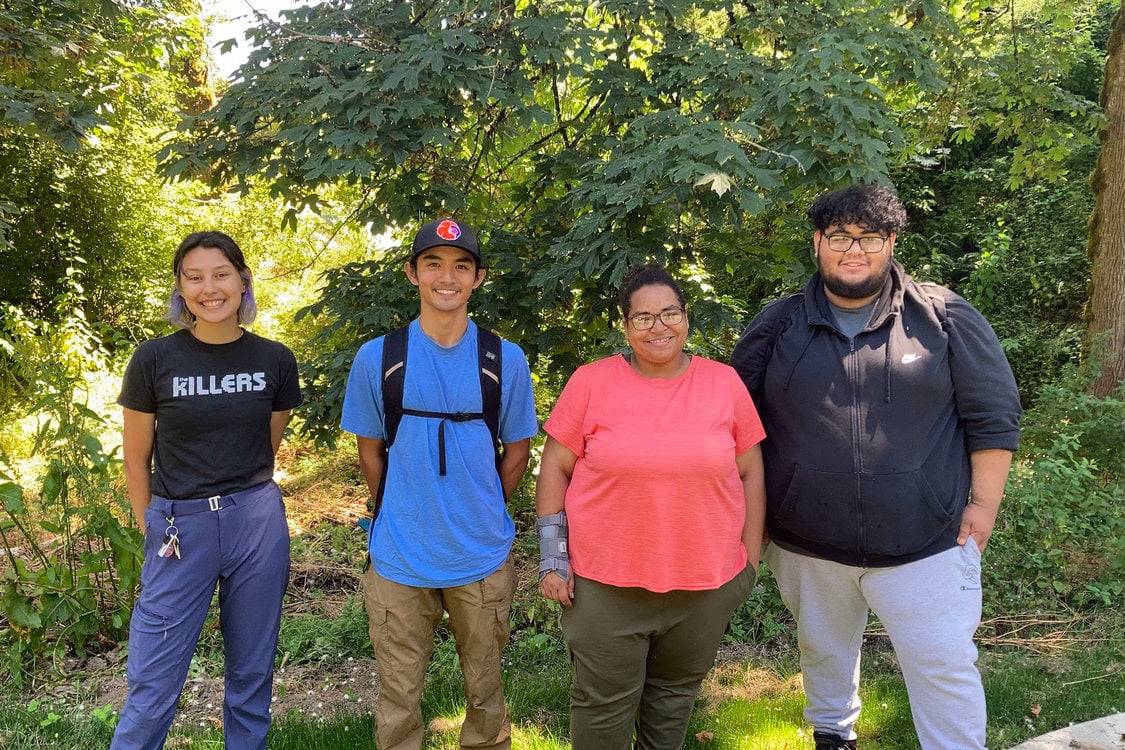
[[402, 621], [638, 659]]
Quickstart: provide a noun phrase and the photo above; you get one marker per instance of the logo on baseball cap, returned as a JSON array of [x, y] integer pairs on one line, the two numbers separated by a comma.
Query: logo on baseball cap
[[449, 233]]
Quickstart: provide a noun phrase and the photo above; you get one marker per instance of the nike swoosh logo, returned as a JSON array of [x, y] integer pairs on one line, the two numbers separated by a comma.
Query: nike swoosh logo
[[908, 358]]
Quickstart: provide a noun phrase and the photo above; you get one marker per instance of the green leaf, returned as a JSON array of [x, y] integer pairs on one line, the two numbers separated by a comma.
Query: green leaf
[[12, 495], [20, 610]]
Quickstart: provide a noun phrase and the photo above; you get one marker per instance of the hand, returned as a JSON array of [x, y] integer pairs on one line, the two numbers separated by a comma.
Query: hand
[[554, 587], [977, 521]]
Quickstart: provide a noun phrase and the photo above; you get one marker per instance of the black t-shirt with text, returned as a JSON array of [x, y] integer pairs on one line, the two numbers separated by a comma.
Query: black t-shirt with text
[[213, 404]]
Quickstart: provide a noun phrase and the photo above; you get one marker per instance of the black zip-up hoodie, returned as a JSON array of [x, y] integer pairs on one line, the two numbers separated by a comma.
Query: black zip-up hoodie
[[868, 439]]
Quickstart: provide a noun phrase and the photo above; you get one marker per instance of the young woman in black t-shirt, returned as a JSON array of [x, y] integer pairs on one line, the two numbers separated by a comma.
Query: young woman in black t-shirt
[[205, 409]]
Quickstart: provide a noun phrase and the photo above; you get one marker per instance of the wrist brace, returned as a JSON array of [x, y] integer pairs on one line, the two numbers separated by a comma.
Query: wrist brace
[[553, 555]]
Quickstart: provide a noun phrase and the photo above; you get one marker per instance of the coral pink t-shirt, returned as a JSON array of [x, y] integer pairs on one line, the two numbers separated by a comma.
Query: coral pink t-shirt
[[655, 500]]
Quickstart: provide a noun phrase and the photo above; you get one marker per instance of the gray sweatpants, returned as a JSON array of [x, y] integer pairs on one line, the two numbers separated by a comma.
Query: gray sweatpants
[[930, 608]]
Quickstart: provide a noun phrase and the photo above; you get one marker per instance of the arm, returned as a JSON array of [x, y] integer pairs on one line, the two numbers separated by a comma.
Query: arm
[[984, 389], [137, 438], [988, 406], [513, 465], [989, 475], [751, 355], [278, 422], [372, 461], [752, 473], [555, 470]]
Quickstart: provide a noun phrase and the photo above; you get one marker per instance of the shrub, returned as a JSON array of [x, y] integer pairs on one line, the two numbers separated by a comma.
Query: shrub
[[1060, 537], [70, 567]]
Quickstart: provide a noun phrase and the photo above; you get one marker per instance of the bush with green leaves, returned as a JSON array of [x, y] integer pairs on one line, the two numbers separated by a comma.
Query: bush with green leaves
[[1060, 537], [583, 139], [1018, 256], [70, 565]]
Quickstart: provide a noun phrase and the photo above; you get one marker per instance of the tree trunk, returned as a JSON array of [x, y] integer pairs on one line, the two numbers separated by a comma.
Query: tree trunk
[[1106, 308], [194, 62]]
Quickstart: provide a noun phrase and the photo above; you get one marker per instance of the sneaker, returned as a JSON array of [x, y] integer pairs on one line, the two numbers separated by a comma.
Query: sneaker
[[827, 741]]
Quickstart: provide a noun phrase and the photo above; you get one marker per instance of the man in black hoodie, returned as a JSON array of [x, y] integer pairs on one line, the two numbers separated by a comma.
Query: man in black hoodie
[[891, 415]]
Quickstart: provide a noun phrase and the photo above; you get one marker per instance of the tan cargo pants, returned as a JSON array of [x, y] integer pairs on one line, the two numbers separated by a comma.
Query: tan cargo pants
[[402, 621]]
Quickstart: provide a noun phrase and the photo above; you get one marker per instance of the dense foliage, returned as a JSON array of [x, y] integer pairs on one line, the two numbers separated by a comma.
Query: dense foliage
[[579, 138], [66, 67], [86, 89], [1061, 532], [72, 559], [1017, 255], [582, 139]]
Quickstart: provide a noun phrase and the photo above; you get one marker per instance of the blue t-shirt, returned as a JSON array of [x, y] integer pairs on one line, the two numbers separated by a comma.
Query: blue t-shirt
[[439, 531]]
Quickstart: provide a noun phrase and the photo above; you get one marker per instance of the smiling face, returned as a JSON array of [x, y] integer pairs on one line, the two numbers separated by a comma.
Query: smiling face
[[445, 276], [211, 287], [853, 278], [660, 347]]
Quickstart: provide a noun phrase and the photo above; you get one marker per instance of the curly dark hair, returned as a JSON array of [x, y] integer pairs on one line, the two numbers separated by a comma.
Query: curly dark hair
[[644, 275], [874, 207]]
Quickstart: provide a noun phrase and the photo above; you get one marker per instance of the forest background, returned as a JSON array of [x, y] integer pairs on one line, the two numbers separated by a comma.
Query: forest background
[[579, 138]]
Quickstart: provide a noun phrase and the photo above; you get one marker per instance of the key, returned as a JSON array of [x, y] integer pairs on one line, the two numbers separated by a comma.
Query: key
[[170, 545]]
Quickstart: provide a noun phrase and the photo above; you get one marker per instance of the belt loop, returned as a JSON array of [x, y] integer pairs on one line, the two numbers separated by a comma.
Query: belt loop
[[213, 502]]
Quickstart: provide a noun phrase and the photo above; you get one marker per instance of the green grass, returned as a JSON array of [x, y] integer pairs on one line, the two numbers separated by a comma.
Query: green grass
[[762, 724], [1085, 683], [1028, 694], [743, 706], [35, 727]]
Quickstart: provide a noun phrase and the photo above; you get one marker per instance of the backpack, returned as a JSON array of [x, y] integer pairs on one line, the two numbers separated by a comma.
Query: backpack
[[394, 376]]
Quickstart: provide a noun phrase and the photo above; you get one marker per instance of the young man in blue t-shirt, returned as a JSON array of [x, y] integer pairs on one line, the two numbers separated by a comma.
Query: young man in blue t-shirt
[[441, 541]]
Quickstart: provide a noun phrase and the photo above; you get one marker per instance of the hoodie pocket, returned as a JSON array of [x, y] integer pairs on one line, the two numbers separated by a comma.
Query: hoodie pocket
[[892, 514]]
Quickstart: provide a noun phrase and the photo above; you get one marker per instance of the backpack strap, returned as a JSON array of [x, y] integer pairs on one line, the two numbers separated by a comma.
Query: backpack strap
[[783, 320], [934, 292], [489, 357], [779, 325], [394, 376]]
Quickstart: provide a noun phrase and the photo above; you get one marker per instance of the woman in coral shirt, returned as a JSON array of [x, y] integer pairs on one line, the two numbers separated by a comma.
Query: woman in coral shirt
[[651, 503]]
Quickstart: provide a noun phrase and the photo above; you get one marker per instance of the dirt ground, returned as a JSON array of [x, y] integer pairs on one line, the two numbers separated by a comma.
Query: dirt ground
[[318, 690], [311, 691], [314, 691]]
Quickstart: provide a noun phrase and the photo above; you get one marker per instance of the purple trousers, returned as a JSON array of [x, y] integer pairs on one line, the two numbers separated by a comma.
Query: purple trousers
[[240, 542]]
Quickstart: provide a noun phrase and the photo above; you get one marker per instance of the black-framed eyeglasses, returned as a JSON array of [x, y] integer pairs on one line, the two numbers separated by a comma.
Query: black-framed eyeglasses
[[644, 321], [842, 243]]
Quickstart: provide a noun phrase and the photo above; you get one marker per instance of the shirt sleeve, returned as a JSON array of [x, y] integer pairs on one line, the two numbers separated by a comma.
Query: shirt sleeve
[[518, 420], [748, 428], [567, 420], [138, 388], [985, 391], [362, 413], [289, 386]]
